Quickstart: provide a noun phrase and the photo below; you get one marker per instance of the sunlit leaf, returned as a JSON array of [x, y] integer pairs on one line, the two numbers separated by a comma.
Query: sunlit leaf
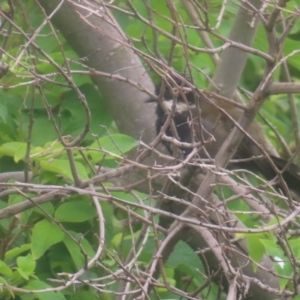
[[26, 265], [62, 167], [5, 269], [118, 144]]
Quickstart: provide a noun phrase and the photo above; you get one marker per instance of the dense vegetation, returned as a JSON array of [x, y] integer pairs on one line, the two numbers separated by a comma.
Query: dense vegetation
[[84, 181]]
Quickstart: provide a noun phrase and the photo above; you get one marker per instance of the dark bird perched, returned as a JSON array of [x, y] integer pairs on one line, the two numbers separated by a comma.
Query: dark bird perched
[[197, 121]]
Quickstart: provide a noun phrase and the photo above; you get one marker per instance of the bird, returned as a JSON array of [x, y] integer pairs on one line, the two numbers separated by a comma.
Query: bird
[[198, 122]]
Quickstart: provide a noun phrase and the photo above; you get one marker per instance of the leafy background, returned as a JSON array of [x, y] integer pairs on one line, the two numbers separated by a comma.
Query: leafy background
[[59, 237]]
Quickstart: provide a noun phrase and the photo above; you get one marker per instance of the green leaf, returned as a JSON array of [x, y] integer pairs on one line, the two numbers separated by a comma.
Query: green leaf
[[42, 131], [101, 118], [4, 223], [26, 266], [295, 246], [255, 246], [185, 259], [79, 259], [112, 224], [2, 280], [116, 144], [50, 150], [62, 167], [138, 196], [75, 211], [3, 110], [16, 251], [88, 295], [47, 208], [11, 148], [20, 153], [15, 199], [40, 285], [169, 273], [282, 264], [44, 235], [5, 269]]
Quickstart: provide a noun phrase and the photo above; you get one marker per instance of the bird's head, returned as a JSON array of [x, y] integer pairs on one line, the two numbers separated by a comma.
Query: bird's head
[[174, 89]]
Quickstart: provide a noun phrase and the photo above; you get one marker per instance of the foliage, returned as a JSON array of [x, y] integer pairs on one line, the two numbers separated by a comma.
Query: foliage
[[57, 126]]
